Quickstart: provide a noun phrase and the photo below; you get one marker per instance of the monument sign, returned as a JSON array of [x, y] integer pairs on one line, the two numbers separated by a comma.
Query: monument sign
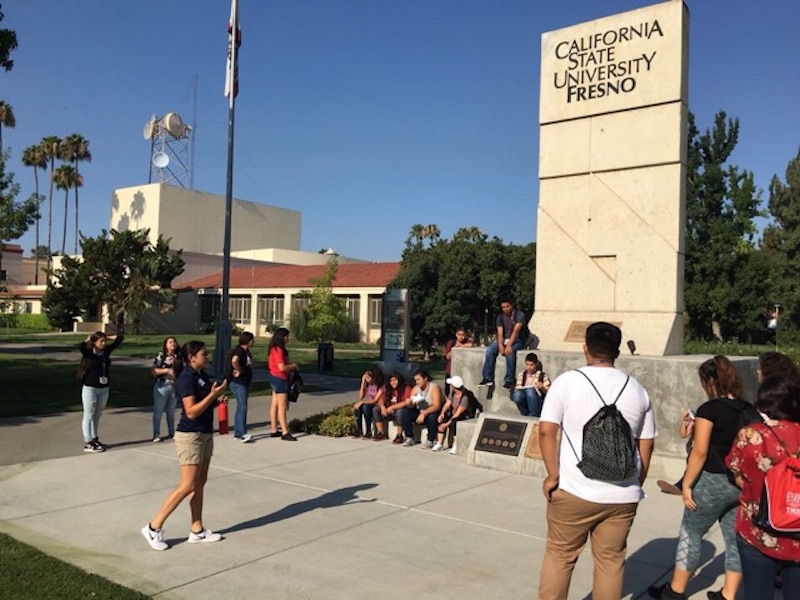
[[612, 173]]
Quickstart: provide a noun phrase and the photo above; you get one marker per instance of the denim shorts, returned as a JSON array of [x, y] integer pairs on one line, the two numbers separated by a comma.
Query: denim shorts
[[278, 385]]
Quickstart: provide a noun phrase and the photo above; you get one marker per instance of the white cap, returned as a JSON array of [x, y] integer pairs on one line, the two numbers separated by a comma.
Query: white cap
[[455, 381]]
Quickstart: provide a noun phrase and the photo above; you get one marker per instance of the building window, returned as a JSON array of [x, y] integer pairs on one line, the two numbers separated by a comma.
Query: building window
[[270, 310], [27, 308], [209, 308], [353, 307], [239, 308], [300, 303], [375, 311]]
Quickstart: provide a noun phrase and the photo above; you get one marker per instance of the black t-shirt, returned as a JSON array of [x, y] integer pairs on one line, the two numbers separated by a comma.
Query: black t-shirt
[[726, 426], [96, 366], [192, 383], [245, 366]]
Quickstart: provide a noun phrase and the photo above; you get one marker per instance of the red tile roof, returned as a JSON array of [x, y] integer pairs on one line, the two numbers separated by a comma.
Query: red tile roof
[[297, 276], [16, 248]]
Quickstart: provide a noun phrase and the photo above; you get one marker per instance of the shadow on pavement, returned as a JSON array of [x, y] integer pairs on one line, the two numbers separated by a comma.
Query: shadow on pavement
[[340, 497]]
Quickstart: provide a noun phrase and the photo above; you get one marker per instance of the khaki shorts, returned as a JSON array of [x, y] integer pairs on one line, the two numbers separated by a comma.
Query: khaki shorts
[[194, 448]]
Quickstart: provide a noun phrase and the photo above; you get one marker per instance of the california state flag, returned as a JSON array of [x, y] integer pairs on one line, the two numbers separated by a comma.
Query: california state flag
[[234, 41]]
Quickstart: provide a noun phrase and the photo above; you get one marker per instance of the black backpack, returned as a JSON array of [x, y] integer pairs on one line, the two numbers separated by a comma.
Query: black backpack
[[474, 407], [608, 453], [295, 382]]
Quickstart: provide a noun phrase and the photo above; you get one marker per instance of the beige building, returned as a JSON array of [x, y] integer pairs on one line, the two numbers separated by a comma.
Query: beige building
[[268, 269]]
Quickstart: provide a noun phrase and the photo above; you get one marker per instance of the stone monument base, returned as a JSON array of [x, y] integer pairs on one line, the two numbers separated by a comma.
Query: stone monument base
[[671, 381], [655, 334]]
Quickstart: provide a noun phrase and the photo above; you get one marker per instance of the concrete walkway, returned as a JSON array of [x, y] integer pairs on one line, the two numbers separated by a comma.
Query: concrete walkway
[[321, 518]]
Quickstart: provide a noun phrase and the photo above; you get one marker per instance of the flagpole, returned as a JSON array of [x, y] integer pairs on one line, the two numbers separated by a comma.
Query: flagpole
[[224, 328]]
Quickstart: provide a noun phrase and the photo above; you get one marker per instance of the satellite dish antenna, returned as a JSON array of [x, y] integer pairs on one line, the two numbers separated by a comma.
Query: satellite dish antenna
[[160, 160], [174, 125], [149, 127]]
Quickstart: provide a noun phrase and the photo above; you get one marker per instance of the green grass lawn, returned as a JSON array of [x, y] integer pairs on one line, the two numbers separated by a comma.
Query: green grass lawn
[[28, 574]]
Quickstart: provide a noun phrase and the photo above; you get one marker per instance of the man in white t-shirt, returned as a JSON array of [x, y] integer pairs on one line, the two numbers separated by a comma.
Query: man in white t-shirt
[[579, 507]]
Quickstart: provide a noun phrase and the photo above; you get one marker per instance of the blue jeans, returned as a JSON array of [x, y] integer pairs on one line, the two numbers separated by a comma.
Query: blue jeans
[[528, 402], [491, 358], [365, 410], [759, 570], [431, 423], [241, 393], [164, 399], [94, 401]]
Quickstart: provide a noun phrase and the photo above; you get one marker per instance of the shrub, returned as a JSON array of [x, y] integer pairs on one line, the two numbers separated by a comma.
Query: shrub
[[26, 321], [339, 423]]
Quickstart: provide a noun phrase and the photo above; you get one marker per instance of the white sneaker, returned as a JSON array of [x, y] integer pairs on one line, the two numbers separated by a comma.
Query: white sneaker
[[246, 438], [154, 538], [204, 536], [453, 450], [437, 447], [408, 442], [427, 445]]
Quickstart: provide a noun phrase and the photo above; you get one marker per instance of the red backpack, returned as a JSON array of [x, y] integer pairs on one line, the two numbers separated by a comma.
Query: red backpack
[[779, 510]]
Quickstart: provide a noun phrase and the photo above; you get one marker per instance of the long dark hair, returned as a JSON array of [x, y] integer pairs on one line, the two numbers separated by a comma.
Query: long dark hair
[[188, 350], [779, 398], [401, 386], [377, 376], [720, 374], [97, 335], [164, 346], [279, 340], [775, 364]]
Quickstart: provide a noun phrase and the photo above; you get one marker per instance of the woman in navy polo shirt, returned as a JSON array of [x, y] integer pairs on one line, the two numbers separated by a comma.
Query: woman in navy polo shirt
[[195, 444]]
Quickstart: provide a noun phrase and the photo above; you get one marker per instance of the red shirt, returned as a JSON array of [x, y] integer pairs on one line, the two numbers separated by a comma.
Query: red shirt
[[754, 453], [277, 355], [391, 395]]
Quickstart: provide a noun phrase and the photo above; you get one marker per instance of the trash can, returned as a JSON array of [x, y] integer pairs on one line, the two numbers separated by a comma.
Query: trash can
[[324, 357]]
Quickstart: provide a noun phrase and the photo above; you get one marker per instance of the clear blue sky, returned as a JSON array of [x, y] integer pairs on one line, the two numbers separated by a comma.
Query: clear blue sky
[[367, 116]]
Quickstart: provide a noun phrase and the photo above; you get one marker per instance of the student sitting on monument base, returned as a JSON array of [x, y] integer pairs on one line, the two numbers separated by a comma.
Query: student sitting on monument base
[[512, 333], [532, 385], [425, 405], [459, 406]]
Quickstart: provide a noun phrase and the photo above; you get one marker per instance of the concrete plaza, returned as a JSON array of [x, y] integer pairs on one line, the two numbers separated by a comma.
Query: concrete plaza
[[321, 518]]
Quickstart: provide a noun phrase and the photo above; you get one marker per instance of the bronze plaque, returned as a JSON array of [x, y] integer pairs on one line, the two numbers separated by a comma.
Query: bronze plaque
[[502, 437], [577, 330], [532, 450]]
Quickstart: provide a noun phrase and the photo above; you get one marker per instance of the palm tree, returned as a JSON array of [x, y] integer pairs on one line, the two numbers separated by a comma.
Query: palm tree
[[6, 118], [34, 157], [75, 148], [50, 147], [65, 178]]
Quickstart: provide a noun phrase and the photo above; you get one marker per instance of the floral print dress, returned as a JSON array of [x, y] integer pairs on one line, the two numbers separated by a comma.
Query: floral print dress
[[756, 451]]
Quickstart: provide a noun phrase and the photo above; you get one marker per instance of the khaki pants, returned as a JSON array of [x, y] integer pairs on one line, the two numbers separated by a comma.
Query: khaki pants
[[570, 521]]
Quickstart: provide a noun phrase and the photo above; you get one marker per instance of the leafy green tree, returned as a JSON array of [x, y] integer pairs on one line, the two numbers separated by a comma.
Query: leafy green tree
[[15, 217], [41, 251], [33, 156], [725, 277], [781, 244], [327, 313], [122, 270], [458, 282], [8, 43], [75, 148]]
